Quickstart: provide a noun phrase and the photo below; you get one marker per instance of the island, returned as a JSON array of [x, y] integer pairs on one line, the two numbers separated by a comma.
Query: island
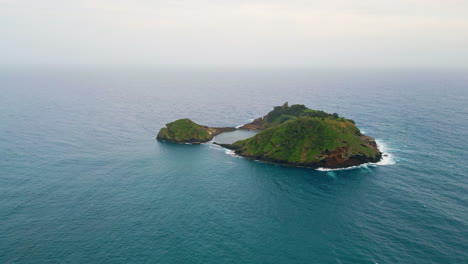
[[187, 131], [289, 135]]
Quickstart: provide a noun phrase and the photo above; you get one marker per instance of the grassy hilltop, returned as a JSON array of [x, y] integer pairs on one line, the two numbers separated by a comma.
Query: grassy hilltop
[[281, 114]]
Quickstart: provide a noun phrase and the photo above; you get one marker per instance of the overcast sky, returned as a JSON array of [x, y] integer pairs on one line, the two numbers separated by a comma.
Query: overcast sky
[[312, 33]]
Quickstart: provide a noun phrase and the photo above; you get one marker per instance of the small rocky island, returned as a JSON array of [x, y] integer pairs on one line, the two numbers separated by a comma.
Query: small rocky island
[[289, 135], [187, 131]]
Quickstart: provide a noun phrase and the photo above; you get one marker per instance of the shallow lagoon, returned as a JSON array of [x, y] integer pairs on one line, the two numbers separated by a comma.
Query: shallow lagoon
[[231, 137]]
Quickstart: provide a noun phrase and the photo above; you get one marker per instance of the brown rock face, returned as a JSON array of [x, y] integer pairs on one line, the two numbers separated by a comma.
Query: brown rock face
[[341, 157], [338, 159], [257, 124]]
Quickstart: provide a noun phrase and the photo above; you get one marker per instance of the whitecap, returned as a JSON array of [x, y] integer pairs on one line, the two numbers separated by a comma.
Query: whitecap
[[387, 158], [347, 168], [214, 146], [230, 152]]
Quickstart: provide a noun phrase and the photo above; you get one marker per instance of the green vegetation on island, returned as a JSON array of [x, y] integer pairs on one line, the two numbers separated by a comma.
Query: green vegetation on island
[[298, 136], [281, 114], [290, 135], [187, 131]]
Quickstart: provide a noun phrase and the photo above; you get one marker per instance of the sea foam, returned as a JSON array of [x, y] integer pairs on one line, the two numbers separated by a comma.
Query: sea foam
[[230, 152]]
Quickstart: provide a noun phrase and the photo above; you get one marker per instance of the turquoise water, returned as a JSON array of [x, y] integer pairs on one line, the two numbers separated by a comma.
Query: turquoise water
[[82, 179]]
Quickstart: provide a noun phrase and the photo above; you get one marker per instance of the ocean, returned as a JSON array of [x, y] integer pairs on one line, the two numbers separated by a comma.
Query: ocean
[[83, 180]]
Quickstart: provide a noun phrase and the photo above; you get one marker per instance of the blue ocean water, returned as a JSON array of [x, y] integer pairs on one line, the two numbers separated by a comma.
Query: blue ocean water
[[82, 179]]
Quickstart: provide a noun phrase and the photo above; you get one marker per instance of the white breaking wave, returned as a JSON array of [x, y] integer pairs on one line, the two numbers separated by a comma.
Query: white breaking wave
[[230, 152], [387, 159], [214, 146], [347, 168], [227, 151]]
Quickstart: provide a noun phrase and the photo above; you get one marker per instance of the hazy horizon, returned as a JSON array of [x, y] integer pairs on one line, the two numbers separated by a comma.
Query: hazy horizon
[[259, 33]]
